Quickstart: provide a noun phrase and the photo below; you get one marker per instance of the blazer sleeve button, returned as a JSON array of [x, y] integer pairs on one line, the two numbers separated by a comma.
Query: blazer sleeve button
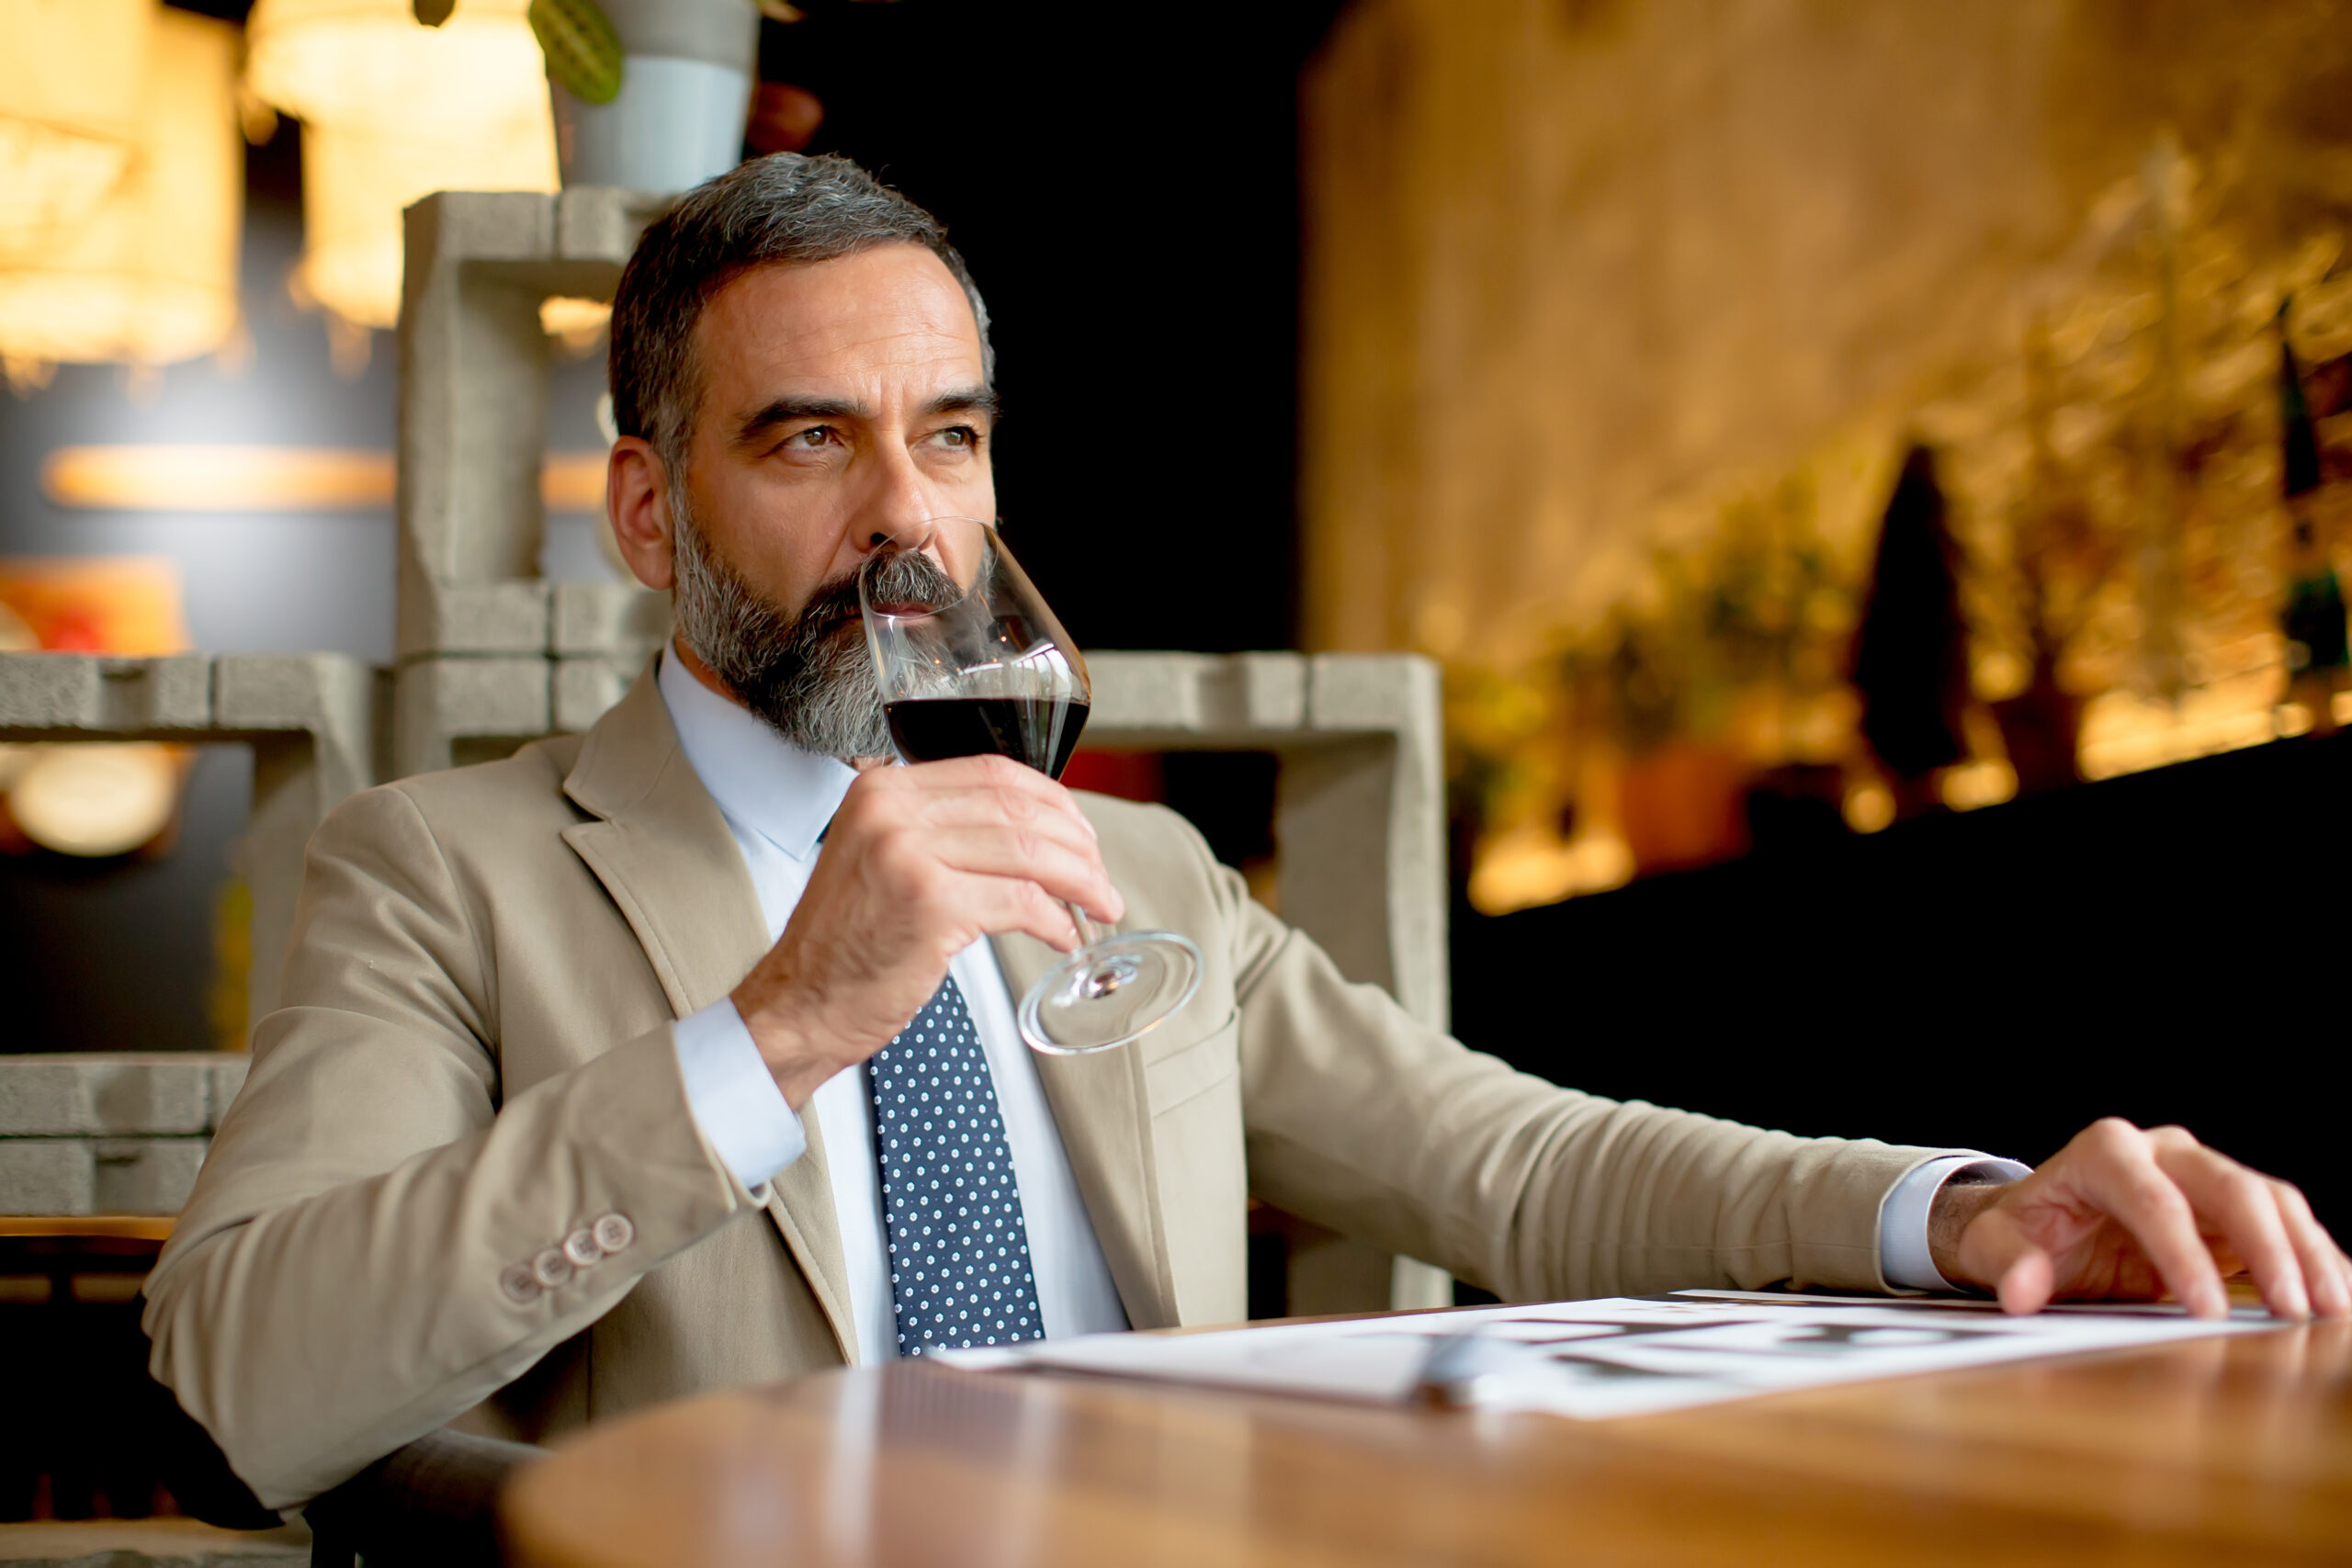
[[582, 1248], [551, 1268], [520, 1285], [613, 1232]]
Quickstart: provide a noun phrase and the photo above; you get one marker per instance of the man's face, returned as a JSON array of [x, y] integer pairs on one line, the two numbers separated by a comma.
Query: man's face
[[841, 401]]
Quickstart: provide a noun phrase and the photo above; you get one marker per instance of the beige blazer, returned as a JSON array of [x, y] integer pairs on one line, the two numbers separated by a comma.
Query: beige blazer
[[474, 1066]]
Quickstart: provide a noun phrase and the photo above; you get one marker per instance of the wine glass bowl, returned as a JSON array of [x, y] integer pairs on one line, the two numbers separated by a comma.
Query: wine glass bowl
[[970, 660]]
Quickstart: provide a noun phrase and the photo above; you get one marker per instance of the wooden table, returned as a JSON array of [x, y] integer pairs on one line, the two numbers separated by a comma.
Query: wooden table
[[2220, 1451]]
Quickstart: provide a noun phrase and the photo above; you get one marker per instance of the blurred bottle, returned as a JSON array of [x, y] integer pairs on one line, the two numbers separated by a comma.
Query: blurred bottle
[[1911, 651], [2313, 617]]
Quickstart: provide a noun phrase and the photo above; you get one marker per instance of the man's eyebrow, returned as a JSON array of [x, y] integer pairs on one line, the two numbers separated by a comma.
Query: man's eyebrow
[[963, 400], [784, 411]]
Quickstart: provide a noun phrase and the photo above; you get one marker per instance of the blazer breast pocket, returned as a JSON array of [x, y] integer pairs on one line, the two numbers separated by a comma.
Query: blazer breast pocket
[[1190, 1071]]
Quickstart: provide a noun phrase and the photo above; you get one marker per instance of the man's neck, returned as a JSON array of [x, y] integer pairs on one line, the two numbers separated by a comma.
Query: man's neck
[[692, 663]]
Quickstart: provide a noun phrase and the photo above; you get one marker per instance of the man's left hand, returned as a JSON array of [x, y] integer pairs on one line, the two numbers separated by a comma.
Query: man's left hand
[[2122, 1215]]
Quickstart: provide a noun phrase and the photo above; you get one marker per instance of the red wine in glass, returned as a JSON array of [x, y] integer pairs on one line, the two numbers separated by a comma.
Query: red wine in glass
[[1040, 731]]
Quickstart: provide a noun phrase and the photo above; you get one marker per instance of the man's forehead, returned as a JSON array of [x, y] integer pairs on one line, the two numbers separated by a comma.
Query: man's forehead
[[892, 310]]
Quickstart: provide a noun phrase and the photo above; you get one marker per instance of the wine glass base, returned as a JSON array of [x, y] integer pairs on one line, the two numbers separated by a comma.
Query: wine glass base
[[1110, 993]]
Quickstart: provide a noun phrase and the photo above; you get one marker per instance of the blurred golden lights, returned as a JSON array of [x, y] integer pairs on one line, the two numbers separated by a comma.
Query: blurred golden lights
[[167, 477], [70, 85], [577, 323], [149, 275], [356, 182], [369, 63], [392, 110], [95, 798]]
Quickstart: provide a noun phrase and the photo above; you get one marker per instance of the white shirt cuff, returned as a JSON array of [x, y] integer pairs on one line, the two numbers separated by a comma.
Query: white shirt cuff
[[1904, 1259], [734, 1099]]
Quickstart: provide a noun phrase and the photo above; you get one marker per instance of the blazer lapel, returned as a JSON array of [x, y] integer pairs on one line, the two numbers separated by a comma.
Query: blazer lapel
[[665, 855], [1101, 1107]]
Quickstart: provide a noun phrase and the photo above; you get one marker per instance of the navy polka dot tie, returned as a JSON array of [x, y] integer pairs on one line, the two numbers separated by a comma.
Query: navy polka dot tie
[[959, 1252]]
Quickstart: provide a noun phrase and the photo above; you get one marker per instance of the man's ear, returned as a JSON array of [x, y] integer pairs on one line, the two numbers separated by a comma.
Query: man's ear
[[636, 502]]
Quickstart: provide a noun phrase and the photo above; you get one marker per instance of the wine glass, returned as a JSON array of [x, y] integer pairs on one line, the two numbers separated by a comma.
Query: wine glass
[[970, 662]]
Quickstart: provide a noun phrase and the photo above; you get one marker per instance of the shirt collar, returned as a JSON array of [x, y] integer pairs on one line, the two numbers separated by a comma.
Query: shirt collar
[[760, 780]]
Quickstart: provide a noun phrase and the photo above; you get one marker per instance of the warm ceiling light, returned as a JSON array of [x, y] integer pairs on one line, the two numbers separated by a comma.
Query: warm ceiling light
[[218, 478], [355, 183], [576, 322], [70, 85], [175, 478], [150, 276], [369, 63], [392, 111], [95, 798]]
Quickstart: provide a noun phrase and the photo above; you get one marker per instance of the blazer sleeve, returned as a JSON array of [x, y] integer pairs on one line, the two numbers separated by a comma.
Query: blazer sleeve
[[1360, 1119], [356, 1265]]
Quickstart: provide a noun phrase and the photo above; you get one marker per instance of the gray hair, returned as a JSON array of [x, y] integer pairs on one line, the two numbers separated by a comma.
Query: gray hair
[[783, 208]]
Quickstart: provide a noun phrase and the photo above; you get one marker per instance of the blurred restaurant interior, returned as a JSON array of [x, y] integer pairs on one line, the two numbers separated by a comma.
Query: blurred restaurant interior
[[1874, 480]]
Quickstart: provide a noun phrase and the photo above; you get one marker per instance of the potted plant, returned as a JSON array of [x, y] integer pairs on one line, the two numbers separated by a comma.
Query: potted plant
[[650, 95]]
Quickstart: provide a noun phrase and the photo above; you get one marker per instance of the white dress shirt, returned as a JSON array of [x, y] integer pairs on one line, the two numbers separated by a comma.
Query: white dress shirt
[[776, 800]]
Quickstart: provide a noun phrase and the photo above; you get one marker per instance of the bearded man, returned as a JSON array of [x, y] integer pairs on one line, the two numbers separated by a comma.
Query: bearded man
[[569, 1108]]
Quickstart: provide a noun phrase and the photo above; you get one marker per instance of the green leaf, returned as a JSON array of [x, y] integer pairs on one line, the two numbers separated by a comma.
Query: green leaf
[[584, 52]]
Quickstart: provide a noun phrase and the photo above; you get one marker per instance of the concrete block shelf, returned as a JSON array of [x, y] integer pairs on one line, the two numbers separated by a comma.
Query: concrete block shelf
[[310, 718], [112, 1135], [148, 1543]]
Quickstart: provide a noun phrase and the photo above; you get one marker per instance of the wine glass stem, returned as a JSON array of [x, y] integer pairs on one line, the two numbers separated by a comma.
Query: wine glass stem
[[1087, 935]]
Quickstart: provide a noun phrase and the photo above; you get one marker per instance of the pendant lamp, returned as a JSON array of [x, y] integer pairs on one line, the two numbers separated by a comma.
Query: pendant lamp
[[150, 275], [370, 63], [357, 181], [392, 110], [70, 85]]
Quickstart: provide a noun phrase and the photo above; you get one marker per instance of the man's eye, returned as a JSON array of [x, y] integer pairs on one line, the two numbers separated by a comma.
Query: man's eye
[[811, 439], [960, 435]]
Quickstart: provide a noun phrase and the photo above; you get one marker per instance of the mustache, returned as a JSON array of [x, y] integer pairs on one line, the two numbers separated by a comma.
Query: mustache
[[903, 582], [907, 581]]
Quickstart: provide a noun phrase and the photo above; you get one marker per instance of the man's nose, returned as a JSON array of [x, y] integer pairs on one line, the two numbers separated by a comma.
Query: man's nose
[[901, 504]]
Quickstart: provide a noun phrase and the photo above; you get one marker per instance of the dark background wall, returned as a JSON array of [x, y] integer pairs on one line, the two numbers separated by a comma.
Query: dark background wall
[[1125, 185]]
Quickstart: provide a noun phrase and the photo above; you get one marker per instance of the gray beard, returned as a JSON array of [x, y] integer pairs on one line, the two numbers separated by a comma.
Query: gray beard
[[808, 677]]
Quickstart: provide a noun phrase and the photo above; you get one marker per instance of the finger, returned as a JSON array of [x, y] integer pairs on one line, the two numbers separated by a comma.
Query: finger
[[999, 905], [1037, 814], [2122, 1178], [1072, 873], [1995, 1248], [1003, 775], [2323, 1264], [980, 809], [2243, 1205], [1034, 801], [2027, 1283], [892, 788]]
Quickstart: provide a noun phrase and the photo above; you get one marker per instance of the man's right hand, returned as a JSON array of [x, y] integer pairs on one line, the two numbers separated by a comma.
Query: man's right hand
[[919, 862]]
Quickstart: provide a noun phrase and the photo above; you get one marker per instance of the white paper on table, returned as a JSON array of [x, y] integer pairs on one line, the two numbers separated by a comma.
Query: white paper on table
[[1620, 1356]]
